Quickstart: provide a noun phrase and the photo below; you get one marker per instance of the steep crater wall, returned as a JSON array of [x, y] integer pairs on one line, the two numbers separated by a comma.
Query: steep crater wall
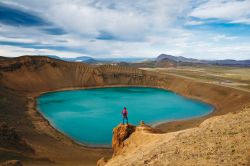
[[23, 78], [37, 74]]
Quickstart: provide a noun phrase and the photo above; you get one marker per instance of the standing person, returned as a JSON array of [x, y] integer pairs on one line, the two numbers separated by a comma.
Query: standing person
[[125, 115]]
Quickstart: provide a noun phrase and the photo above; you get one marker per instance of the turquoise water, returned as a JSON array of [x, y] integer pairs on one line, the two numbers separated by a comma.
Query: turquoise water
[[88, 116]]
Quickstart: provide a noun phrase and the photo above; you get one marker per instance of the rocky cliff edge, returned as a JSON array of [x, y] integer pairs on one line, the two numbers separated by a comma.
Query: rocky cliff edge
[[220, 140]]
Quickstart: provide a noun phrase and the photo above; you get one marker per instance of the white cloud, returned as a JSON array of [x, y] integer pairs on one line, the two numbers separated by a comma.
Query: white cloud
[[126, 19], [90, 21], [218, 38], [231, 10], [13, 51], [193, 22], [141, 28]]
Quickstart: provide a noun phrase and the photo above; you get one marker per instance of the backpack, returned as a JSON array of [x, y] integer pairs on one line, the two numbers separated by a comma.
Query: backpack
[[124, 112]]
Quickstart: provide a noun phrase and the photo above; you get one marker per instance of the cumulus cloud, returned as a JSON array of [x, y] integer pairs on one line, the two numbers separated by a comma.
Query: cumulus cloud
[[234, 11], [111, 28]]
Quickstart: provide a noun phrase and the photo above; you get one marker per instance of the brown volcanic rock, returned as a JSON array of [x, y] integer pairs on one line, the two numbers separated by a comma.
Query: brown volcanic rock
[[120, 134], [122, 137], [37, 74], [220, 140]]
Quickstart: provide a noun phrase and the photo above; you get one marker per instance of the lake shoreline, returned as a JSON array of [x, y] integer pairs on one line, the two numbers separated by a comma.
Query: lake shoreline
[[160, 125], [165, 127], [20, 86], [198, 112]]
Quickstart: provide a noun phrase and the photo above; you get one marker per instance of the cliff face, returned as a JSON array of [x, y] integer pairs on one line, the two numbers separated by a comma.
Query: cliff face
[[126, 138], [222, 140], [36, 74], [120, 134]]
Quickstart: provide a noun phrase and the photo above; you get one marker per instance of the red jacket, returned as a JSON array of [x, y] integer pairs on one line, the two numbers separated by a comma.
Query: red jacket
[[124, 112]]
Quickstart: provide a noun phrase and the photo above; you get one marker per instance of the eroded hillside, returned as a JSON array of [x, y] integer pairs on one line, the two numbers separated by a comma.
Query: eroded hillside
[[36, 74], [221, 140]]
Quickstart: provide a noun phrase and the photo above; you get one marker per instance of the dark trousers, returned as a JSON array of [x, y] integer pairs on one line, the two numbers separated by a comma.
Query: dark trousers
[[124, 117]]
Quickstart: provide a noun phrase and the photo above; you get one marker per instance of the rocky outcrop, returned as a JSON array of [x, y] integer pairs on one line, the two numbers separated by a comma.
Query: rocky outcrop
[[221, 140], [122, 137], [120, 134]]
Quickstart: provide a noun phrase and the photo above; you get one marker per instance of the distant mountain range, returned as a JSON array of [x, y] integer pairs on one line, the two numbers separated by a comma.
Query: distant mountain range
[[85, 59], [181, 59], [91, 60], [163, 60], [165, 57]]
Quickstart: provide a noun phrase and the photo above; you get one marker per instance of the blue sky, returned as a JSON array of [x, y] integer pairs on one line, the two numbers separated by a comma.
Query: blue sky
[[204, 29]]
